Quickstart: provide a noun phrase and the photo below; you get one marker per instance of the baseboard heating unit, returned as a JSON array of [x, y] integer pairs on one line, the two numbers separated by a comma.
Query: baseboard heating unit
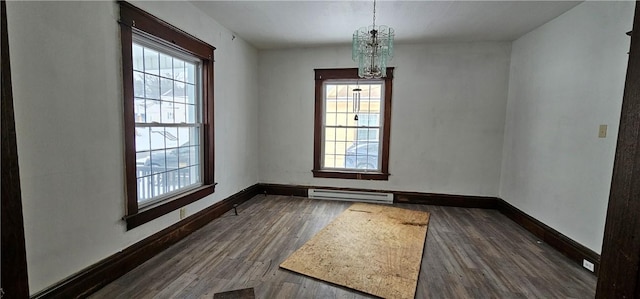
[[372, 197]]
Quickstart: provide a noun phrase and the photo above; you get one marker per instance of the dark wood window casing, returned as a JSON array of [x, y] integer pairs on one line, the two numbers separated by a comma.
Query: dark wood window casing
[[134, 20], [321, 75]]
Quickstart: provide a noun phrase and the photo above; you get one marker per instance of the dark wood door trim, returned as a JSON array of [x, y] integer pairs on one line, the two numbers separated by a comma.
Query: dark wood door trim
[[14, 261], [620, 262]]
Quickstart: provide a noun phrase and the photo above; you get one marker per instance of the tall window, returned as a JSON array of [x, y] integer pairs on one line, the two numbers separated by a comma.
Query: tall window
[[168, 98], [351, 125]]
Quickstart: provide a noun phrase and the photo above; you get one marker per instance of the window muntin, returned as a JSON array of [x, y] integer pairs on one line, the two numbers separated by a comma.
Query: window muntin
[[350, 143], [168, 121]]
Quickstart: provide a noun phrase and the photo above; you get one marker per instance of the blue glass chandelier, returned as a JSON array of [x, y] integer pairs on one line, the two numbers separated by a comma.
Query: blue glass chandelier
[[372, 48]]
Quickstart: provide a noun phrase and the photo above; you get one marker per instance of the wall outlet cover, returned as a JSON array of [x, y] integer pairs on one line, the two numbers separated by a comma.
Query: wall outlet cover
[[588, 265]]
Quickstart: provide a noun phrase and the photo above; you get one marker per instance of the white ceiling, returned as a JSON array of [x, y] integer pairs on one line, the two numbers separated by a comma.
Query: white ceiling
[[306, 23]]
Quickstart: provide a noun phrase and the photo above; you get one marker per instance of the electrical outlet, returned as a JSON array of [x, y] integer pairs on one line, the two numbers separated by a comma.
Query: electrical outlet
[[602, 131], [183, 212], [588, 265]]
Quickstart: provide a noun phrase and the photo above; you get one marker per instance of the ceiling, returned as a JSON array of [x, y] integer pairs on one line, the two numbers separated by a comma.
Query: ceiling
[[306, 23]]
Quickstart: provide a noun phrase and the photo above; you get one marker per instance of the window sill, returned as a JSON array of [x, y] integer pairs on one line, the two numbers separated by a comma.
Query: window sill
[[353, 175], [144, 216]]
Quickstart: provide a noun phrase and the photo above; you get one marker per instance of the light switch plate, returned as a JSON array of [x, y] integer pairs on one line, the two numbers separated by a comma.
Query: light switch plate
[[602, 131]]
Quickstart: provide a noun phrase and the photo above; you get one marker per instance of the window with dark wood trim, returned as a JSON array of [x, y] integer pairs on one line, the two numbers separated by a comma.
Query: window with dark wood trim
[[351, 132], [168, 116]]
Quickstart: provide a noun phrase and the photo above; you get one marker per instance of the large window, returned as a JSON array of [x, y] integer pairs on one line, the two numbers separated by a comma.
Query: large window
[[352, 125], [168, 98]]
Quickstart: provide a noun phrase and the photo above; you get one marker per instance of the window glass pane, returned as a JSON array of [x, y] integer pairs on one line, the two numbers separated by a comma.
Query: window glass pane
[[342, 134], [142, 169], [330, 91], [166, 66], [330, 119], [152, 87], [194, 175], [190, 93], [142, 139], [375, 91], [183, 135], [172, 180], [178, 70], [157, 161], [152, 111], [369, 120], [139, 110], [171, 137], [138, 59], [157, 182], [368, 135], [343, 91], [144, 189], [194, 156], [138, 84], [329, 148], [341, 147], [179, 113], [157, 138], [351, 119], [166, 89], [191, 114], [339, 160], [184, 177], [190, 72], [195, 136], [151, 61], [330, 134], [179, 92], [329, 161], [183, 155], [167, 112]]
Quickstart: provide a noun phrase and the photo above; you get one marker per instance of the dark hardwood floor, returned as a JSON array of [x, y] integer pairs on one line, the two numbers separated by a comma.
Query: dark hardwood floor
[[469, 253]]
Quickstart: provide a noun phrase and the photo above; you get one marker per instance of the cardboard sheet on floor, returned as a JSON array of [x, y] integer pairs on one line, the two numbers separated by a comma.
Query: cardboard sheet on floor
[[375, 249]]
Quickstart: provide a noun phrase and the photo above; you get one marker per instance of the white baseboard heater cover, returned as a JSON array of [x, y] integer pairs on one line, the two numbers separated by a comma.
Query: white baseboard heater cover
[[372, 197]]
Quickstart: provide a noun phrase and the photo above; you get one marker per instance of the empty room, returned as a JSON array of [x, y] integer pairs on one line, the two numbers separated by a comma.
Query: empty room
[[320, 149]]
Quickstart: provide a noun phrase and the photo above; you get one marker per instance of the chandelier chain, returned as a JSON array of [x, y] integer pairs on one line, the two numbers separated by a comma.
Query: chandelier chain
[[374, 14]]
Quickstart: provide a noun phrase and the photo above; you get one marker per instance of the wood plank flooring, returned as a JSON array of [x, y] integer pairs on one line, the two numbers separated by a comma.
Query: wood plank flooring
[[469, 253]]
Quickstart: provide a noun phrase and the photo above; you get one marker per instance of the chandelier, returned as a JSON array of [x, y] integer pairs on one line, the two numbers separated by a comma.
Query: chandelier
[[372, 48]]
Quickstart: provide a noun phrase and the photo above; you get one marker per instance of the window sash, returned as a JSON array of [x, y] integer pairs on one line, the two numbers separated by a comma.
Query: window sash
[[349, 100], [159, 183]]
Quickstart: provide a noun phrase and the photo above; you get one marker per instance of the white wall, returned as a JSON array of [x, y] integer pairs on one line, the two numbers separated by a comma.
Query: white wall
[[447, 126], [66, 68], [567, 78]]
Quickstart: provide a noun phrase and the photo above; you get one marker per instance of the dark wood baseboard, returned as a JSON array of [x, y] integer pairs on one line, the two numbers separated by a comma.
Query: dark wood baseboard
[[452, 200], [466, 201], [570, 248], [277, 189], [100, 274]]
